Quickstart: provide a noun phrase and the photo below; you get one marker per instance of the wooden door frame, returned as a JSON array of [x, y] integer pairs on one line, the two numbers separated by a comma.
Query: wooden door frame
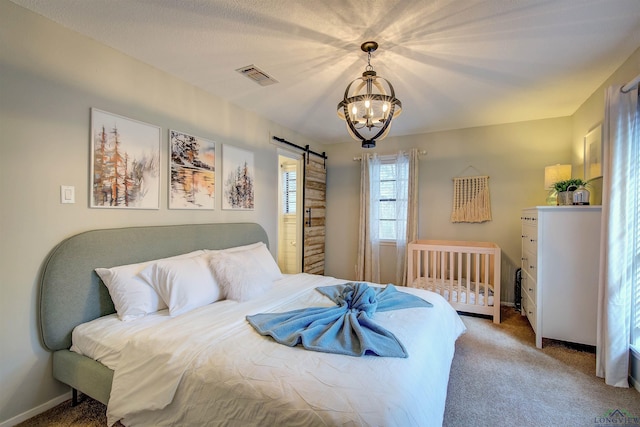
[[299, 159]]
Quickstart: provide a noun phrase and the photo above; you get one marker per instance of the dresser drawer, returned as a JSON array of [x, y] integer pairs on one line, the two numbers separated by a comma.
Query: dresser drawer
[[530, 217], [530, 264], [529, 286], [529, 239], [530, 311]]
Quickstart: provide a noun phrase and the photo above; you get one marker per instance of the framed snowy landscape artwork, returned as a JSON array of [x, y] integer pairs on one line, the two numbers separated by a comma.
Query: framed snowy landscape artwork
[[238, 179], [192, 171], [125, 166]]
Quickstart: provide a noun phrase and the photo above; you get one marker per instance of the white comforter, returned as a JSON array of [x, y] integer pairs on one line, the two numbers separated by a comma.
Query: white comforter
[[210, 367]]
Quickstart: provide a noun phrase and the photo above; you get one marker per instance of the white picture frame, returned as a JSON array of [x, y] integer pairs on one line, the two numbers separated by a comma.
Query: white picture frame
[[192, 171], [238, 179], [125, 162]]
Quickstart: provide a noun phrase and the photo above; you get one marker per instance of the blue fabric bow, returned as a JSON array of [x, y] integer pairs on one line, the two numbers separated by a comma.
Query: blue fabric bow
[[346, 328]]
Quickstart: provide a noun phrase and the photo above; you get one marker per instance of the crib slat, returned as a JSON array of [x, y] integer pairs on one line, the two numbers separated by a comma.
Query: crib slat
[[442, 276], [426, 266], [451, 274], [434, 265], [459, 270], [467, 256], [477, 277], [487, 258], [417, 268]]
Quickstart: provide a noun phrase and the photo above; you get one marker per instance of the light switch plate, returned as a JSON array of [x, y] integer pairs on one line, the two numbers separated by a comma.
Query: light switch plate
[[67, 194]]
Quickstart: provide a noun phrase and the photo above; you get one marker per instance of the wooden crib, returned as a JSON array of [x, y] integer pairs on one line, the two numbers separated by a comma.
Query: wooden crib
[[467, 274]]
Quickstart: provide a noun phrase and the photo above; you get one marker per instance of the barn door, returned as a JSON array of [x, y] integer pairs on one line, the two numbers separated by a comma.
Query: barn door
[[315, 189]]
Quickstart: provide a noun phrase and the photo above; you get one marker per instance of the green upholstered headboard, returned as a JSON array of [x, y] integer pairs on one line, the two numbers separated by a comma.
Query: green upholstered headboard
[[71, 292]]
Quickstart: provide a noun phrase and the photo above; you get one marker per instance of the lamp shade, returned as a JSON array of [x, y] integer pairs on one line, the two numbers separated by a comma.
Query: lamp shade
[[555, 173]]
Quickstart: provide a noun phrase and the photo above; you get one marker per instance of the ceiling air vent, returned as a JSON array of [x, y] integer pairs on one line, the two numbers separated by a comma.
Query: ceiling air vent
[[257, 75]]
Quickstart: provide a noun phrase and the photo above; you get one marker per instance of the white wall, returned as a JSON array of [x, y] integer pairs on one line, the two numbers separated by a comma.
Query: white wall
[[50, 77], [514, 157]]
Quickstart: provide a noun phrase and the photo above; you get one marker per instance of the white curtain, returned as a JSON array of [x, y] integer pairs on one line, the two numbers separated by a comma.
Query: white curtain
[[406, 209], [368, 266], [621, 178]]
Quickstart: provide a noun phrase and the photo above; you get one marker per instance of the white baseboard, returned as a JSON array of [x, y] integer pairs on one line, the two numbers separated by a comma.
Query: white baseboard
[[36, 411]]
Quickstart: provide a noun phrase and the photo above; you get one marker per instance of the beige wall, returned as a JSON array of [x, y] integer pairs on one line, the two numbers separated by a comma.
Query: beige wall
[[49, 79], [514, 157], [591, 114]]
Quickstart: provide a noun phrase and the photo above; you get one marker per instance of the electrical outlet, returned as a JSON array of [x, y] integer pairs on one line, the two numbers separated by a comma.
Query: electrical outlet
[[67, 194]]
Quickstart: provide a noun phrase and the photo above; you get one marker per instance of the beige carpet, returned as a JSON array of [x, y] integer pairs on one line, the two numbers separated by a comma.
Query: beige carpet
[[498, 378]]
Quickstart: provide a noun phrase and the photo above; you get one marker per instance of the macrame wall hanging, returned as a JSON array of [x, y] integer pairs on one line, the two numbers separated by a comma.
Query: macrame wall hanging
[[471, 202]]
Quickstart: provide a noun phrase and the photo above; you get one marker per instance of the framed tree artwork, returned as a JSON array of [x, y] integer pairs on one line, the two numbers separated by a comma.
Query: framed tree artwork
[[192, 171], [238, 179], [125, 166]]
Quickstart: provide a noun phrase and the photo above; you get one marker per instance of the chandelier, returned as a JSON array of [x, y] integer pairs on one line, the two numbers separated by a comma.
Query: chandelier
[[369, 104]]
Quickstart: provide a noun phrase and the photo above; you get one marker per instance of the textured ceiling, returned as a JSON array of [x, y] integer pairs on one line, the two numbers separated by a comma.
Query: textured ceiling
[[454, 64]]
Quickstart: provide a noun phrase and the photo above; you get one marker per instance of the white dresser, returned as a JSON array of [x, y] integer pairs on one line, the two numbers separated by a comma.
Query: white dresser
[[560, 268]]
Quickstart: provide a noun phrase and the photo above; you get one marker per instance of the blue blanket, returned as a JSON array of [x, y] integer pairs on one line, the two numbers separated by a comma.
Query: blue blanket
[[347, 328]]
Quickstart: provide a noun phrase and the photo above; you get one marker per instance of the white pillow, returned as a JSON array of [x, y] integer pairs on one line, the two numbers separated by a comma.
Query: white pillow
[[234, 248], [184, 284], [132, 296], [261, 257], [255, 254], [238, 280]]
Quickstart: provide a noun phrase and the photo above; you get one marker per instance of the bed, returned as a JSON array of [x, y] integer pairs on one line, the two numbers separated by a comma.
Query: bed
[[465, 273], [207, 365]]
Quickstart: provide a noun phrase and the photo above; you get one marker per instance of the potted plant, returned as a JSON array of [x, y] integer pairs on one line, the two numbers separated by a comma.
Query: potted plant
[[566, 188]]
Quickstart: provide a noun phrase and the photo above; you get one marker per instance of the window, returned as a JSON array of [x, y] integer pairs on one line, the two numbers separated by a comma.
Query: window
[[387, 212], [393, 194], [289, 191]]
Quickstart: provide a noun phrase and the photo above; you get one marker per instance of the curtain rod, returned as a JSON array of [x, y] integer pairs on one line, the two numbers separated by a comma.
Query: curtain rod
[[305, 148], [420, 153], [631, 85]]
